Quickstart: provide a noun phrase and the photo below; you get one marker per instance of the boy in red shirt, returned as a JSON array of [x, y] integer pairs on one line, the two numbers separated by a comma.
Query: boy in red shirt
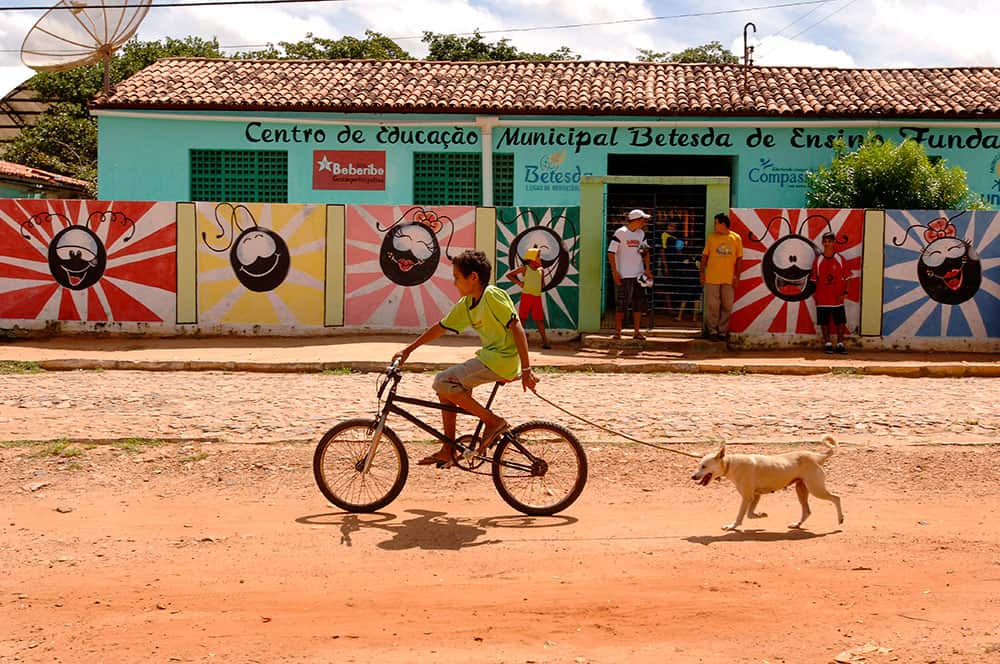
[[830, 274]]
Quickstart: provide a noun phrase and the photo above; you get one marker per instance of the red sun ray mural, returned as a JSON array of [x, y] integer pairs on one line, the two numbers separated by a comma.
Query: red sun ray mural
[[88, 260], [774, 294]]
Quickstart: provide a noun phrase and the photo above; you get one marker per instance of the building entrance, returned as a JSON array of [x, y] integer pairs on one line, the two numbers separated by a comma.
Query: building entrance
[[676, 236]]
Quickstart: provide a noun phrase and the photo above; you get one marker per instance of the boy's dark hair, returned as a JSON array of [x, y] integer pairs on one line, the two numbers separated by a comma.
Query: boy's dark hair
[[724, 218], [828, 236], [470, 261]]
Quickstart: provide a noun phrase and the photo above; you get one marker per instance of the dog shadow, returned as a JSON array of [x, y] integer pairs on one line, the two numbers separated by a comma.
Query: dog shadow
[[758, 535]]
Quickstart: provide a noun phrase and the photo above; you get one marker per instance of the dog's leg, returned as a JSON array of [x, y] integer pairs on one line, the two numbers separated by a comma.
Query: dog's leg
[[752, 513], [803, 493], [817, 487], [744, 506]]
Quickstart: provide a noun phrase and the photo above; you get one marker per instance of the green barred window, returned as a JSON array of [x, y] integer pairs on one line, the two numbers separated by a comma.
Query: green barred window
[[443, 178], [503, 180], [245, 176]]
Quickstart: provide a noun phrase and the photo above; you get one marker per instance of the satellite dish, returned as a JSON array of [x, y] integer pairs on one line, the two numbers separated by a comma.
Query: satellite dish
[[75, 33]]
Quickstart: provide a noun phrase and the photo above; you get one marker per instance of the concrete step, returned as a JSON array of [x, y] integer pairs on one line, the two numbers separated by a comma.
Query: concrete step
[[659, 343]]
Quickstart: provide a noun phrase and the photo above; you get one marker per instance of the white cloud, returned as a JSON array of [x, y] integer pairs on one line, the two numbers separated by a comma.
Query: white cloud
[[13, 76], [777, 51]]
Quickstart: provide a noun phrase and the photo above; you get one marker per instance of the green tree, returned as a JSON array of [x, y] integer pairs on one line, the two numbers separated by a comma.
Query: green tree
[[457, 48], [882, 175], [711, 53], [375, 46]]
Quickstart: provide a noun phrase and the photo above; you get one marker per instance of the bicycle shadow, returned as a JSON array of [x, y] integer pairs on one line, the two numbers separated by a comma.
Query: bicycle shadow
[[429, 530], [758, 535]]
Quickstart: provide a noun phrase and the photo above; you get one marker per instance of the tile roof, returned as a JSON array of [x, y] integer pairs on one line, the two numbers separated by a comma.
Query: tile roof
[[9, 169], [558, 87]]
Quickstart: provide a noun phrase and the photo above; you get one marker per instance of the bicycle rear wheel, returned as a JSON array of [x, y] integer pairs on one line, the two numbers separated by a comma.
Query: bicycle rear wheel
[[539, 468], [340, 458]]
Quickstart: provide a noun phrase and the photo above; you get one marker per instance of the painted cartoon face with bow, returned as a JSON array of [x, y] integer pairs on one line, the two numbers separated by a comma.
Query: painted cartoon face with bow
[[410, 252], [949, 269]]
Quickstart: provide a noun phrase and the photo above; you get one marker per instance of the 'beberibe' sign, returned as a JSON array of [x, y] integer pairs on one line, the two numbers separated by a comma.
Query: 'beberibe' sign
[[349, 169]]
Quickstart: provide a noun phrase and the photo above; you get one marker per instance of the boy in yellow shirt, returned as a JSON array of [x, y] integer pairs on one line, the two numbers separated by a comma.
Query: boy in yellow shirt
[[529, 277]]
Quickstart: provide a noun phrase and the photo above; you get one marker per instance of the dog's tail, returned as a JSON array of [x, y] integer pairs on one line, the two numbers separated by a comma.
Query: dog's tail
[[831, 446]]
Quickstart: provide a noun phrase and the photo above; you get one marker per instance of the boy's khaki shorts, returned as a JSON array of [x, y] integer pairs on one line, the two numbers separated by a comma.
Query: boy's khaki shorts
[[463, 377]]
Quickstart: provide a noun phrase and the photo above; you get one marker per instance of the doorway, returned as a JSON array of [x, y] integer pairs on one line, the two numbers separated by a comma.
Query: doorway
[[676, 236]]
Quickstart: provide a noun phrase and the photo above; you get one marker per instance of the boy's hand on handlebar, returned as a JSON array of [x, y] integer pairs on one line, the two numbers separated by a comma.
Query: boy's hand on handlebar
[[528, 380], [400, 357]]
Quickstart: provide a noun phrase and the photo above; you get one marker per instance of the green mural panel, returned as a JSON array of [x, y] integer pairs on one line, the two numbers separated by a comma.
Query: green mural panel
[[556, 231]]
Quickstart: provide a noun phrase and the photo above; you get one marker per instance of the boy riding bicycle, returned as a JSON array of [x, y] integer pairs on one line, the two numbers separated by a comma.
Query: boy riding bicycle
[[504, 352]]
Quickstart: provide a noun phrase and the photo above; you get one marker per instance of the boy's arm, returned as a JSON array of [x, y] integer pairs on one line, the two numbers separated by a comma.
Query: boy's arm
[[514, 273], [428, 336], [528, 380]]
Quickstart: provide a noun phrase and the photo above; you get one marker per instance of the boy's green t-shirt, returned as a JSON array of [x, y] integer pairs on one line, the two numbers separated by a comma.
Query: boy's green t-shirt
[[490, 317], [532, 281]]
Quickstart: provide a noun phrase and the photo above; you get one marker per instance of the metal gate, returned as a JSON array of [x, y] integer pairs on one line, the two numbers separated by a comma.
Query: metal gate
[[676, 237]]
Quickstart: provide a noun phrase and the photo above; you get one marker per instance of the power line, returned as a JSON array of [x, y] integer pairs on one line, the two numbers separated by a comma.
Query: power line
[[568, 26], [809, 27]]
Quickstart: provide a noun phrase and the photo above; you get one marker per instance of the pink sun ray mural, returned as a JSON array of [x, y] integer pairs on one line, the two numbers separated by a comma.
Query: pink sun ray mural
[[398, 263], [72, 260], [774, 294]]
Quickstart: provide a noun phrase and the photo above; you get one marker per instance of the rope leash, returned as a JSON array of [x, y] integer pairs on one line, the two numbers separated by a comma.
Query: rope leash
[[616, 433]]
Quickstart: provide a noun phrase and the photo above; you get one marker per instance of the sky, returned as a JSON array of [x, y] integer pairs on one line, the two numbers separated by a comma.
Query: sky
[[824, 33]]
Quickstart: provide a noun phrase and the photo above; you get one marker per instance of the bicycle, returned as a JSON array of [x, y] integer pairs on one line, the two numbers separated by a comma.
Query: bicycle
[[539, 468]]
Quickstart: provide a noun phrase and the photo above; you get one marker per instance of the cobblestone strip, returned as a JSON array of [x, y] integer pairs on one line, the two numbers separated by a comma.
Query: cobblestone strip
[[255, 408]]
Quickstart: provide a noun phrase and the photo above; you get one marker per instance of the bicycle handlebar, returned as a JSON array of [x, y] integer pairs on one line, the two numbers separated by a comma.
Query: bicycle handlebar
[[393, 368]]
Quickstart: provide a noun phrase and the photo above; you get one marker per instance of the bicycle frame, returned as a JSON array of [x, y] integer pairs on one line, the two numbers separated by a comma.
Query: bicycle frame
[[390, 407]]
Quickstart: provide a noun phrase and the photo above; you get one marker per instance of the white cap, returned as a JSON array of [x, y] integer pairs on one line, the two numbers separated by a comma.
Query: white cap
[[637, 214]]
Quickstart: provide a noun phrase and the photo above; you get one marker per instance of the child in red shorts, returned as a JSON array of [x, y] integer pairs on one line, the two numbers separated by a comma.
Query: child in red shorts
[[529, 277], [830, 274]]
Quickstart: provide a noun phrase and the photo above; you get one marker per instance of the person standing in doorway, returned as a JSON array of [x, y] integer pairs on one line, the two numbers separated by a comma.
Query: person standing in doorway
[[628, 256], [720, 272]]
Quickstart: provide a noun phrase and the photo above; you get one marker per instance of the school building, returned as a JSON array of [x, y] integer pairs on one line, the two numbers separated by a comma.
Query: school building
[[397, 164]]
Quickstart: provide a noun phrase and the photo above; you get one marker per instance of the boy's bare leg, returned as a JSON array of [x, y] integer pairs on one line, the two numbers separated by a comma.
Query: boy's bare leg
[[492, 421], [541, 333], [636, 324], [619, 319]]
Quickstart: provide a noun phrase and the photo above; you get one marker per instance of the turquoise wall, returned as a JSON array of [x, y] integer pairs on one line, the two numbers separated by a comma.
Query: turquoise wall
[[147, 157]]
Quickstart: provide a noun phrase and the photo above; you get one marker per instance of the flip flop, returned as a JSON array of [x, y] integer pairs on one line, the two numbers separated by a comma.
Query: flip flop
[[435, 460], [639, 337]]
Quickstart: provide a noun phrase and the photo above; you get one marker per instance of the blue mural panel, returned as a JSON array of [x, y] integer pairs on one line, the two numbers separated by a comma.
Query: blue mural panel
[[942, 274]]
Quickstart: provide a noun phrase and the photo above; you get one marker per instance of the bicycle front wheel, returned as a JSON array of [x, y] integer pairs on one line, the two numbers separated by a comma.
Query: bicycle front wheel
[[539, 468], [339, 461]]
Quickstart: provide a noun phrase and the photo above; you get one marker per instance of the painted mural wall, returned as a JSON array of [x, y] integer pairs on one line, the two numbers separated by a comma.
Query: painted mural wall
[[261, 264], [398, 272], [942, 274], [556, 232], [87, 261], [309, 269], [774, 294]]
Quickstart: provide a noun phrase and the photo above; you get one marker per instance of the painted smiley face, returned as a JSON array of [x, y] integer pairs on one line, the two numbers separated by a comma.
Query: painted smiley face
[[552, 255], [786, 267], [77, 258], [410, 254], [949, 271], [260, 259]]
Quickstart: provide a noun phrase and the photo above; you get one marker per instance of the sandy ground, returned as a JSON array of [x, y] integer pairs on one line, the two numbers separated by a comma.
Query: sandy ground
[[227, 552]]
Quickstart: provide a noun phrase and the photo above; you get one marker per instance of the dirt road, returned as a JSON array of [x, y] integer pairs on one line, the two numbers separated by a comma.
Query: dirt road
[[225, 551]]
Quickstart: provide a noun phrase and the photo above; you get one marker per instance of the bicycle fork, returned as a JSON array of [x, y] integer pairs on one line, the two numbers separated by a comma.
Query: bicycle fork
[[376, 437]]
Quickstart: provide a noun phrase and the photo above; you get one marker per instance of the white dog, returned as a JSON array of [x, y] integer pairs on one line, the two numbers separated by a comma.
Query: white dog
[[757, 474]]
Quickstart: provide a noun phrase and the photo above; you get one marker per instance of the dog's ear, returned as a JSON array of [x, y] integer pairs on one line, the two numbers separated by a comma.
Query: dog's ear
[[722, 452]]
